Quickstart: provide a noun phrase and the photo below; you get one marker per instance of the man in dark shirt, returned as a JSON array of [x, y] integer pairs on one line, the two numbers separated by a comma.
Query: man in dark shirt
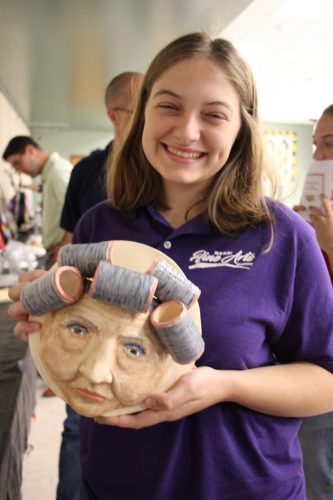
[[87, 183], [86, 188]]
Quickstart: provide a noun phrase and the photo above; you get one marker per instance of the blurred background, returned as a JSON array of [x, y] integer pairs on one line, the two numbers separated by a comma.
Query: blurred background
[[56, 57]]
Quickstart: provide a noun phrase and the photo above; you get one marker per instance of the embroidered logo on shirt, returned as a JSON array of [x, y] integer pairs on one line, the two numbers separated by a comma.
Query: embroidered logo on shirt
[[203, 259]]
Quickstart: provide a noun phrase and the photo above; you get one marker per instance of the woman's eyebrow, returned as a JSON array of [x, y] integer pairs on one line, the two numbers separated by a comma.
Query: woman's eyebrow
[[166, 92], [209, 103], [219, 103]]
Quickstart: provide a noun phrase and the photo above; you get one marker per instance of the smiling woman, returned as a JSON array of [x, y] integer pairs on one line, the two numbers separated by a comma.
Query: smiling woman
[[189, 179], [103, 352]]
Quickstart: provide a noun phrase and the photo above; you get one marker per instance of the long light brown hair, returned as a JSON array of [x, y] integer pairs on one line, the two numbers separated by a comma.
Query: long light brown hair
[[235, 199]]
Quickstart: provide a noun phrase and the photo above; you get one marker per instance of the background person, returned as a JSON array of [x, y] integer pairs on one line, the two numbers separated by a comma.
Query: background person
[[188, 180], [322, 220], [25, 155], [86, 188], [87, 182], [316, 434]]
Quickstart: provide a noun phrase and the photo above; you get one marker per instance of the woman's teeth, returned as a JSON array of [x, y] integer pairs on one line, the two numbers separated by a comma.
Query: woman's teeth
[[183, 154]]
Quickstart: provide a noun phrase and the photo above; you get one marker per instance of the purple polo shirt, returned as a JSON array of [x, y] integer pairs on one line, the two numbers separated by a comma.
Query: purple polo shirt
[[257, 309]]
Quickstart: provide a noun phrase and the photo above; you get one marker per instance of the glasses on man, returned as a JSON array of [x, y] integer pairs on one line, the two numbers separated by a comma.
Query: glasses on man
[[124, 110]]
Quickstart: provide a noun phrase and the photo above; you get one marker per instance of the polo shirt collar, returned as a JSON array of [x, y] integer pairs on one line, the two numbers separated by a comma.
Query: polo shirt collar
[[198, 225]]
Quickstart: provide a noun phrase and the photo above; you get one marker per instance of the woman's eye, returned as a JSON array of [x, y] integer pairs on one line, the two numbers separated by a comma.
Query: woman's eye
[[217, 116], [168, 106], [134, 349], [77, 329]]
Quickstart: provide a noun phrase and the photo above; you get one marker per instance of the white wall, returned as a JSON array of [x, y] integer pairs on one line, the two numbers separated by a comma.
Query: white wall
[[292, 188], [71, 142], [11, 124]]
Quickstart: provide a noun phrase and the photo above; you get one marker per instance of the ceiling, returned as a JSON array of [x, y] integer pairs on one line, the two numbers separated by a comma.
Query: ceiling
[[56, 56], [289, 45]]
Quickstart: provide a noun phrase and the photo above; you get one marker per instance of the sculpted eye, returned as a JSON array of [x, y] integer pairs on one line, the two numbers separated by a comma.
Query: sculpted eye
[[134, 349], [77, 328]]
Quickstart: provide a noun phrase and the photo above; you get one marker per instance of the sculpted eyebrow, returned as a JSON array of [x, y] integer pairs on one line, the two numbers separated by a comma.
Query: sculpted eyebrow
[[136, 339], [85, 320]]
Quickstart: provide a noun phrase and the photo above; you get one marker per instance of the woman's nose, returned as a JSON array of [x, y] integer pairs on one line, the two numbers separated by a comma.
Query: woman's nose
[[99, 362], [318, 154], [187, 129]]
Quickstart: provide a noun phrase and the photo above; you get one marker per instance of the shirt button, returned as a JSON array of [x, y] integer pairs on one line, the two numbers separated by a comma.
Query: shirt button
[[167, 244]]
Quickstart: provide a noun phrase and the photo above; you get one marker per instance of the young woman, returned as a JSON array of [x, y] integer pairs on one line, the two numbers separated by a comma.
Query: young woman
[[188, 181]]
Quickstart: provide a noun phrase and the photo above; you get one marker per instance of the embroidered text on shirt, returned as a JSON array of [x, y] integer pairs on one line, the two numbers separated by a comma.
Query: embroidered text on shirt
[[239, 260]]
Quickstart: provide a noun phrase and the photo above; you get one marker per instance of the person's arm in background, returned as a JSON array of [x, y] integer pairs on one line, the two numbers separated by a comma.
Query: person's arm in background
[[67, 238], [53, 252], [71, 210], [322, 222]]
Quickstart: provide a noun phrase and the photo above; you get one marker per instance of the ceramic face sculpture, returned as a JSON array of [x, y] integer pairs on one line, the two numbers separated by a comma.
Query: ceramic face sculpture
[[120, 322]]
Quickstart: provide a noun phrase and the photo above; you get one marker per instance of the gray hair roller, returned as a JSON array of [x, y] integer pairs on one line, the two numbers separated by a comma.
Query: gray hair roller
[[172, 284], [52, 291], [177, 331], [85, 257], [123, 287]]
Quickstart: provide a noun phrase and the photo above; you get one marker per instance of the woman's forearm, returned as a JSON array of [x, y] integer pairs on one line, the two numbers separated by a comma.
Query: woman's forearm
[[293, 390]]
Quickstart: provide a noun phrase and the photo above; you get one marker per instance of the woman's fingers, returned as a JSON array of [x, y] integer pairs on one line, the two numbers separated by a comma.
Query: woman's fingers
[[23, 328], [17, 311]]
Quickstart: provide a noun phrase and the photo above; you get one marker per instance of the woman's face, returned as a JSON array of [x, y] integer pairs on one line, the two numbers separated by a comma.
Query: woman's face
[[101, 357], [192, 119]]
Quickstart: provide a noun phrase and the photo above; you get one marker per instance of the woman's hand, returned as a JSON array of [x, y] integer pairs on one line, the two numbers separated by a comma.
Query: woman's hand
[[18, 311], [307, 390], [193, 392]]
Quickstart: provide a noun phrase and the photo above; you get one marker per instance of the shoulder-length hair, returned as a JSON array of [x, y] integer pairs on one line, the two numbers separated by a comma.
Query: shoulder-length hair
[[235, 199]]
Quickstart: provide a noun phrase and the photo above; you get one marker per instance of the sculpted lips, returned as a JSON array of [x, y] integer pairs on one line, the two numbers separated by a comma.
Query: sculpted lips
[[189, 155], [90, 395]]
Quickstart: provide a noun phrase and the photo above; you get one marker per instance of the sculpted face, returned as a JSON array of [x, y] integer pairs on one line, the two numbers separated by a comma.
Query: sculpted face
[[102, 357]]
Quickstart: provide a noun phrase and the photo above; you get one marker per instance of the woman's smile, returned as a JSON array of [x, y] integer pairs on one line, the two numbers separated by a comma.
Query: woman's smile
[[192, 119], [183, 153]]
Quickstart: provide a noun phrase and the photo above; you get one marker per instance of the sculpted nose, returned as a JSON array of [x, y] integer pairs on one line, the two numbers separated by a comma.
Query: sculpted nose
[[99, 362]]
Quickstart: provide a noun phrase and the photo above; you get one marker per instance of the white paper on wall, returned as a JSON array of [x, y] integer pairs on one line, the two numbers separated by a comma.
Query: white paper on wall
[[319, 180]]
